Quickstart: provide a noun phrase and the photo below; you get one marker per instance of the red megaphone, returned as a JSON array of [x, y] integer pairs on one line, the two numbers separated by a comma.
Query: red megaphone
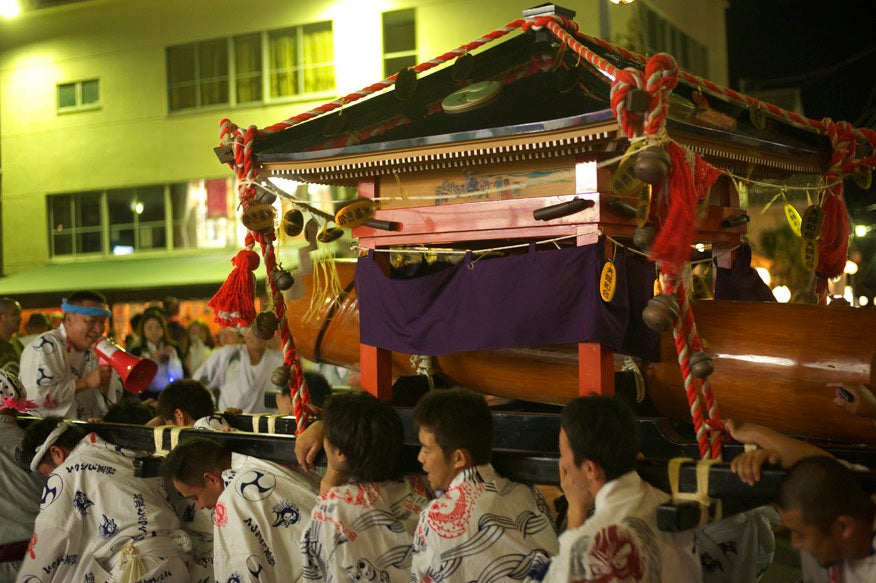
[[136, 373]]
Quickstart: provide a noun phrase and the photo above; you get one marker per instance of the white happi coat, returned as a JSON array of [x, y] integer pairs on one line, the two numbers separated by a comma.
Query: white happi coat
[[484, 527], [240, 384], [621, 541], [50, 368], [21, 494], [92, 507], [258, 519], [363, 532]]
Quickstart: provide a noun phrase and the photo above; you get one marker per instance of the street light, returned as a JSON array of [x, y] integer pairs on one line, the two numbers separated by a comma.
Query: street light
[[9, 8]]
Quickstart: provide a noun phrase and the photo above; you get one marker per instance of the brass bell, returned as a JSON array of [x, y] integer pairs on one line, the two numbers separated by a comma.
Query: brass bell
[[281, 377], [644, 236], [660, 313], [651, 165], [701, 364], [282, 279], [265, 196], [266, 325]]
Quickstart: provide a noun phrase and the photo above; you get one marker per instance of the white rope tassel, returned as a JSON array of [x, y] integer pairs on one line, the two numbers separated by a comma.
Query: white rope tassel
[[422, 364]]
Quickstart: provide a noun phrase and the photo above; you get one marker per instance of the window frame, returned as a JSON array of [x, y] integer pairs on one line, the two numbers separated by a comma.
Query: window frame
[[79, 106], [265, 72]]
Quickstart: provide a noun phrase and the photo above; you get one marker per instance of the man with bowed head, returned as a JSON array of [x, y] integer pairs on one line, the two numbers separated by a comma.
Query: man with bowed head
[[599, 444], [260, 508], [98, 521], [60, 370]]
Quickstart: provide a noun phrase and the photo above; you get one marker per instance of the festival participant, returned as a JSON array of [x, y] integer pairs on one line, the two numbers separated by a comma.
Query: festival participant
[[481, 525], [10, 345], [21, 489], [36, 324], [258, 508], [60, 369], [188, 403], [620, 541], [157, 345], [365, 515], [97, 520], [241, 373], [830, 517]]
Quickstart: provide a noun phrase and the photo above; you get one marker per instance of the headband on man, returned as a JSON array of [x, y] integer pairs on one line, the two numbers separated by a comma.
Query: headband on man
[[49, 442], [85, 310]]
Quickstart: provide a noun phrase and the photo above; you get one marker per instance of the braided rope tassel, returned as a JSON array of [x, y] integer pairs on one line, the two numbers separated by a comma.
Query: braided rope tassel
[[711, 403], [690, 383]]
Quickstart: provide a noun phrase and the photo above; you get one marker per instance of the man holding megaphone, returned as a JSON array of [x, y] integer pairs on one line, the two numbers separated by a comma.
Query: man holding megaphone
[[60, 369]]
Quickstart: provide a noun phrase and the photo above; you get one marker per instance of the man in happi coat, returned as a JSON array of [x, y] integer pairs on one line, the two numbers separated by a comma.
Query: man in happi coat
[[260, 509], [364, 518], [620, 541], [98, 521], [21, 488], [482, 526], [60, 369]]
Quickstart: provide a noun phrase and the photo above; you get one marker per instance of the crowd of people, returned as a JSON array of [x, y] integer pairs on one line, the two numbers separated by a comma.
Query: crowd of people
[[217, 515]]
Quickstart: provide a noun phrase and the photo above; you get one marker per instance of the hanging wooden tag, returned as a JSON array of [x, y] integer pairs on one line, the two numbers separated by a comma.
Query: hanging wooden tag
[[356, 213], [643, 209], [758, 117], [863, 177], [813, 219], [607, 282], [658, 287], [258, 217], [809, 254], [623, 180], [793, 218]]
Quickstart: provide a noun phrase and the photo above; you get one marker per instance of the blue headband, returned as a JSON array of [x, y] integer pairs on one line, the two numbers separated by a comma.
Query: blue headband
[[85, 310]]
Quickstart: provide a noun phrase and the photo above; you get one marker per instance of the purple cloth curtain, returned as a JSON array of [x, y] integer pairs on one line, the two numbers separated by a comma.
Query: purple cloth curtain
[[533, 299]]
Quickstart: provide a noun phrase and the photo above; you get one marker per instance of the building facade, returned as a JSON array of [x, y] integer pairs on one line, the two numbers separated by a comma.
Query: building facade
[[110, 109]]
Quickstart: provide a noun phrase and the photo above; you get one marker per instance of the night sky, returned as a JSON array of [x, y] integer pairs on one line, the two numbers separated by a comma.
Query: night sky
[[827, 47]]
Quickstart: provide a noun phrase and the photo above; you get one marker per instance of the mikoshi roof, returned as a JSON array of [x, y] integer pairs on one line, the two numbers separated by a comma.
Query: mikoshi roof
[[530, 90]]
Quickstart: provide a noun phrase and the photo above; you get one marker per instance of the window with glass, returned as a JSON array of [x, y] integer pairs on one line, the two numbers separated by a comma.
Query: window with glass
[[662, 36], [78, 96], [186, 215], [252, 68], [399, 41]]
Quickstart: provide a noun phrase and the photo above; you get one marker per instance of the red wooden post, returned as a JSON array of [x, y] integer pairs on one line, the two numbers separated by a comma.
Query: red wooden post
[[375, 364], [595, 361]]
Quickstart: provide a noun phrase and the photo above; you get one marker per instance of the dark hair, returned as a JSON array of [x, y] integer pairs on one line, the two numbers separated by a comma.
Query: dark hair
[[210, 341], [130, 410], [192, 458], [38, 320], [368, 432], [190, 395], [604, 431], [319, 388], [36, 434], [76, 298], [158, 317], [460, 419], [823, 489]]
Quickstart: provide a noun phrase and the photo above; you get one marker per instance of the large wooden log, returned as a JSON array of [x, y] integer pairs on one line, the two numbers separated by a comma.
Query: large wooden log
[[773, 362]]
